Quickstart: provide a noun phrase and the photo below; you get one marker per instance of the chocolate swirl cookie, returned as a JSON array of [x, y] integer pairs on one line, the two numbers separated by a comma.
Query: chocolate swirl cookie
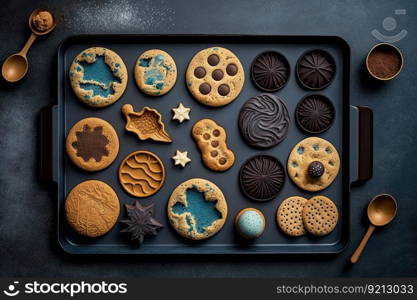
[[270, 71], [316, 69], [315, 113], [262, 177], [264, 121]]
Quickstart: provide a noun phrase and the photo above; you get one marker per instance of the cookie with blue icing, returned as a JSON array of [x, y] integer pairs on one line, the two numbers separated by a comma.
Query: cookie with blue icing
[[98, 76], [197, 209], [155, 72], [250, 223]]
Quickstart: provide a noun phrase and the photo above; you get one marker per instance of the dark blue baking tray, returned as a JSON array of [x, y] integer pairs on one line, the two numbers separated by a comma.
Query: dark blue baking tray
[[351, 134]]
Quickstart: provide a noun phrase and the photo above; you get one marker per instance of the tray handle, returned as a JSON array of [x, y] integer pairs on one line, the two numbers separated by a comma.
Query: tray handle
[[361, 162], [48, 153]]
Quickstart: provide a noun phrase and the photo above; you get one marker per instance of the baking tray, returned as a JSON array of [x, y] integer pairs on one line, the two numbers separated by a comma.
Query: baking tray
[[351, 134]]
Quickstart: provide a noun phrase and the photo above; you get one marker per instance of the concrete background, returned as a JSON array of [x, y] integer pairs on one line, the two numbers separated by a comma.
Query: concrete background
[[28, 245]]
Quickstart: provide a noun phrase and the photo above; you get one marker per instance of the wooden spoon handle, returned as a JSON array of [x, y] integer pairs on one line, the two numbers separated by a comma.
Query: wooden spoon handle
[[358, 251], [29, 43]]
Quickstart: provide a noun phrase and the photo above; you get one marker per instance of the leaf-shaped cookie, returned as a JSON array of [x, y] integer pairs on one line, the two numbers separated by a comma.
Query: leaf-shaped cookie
[[147, 124]]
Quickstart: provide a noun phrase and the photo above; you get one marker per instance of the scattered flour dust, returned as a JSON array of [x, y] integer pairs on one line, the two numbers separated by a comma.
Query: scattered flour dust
[[114, 15]]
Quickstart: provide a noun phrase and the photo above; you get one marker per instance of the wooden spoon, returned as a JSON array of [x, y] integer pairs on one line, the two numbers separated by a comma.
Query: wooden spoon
[[15, 66], [381, 210]]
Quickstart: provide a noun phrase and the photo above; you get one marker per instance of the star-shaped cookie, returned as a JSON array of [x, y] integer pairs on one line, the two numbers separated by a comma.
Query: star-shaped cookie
[[181, 158], [181, 113]]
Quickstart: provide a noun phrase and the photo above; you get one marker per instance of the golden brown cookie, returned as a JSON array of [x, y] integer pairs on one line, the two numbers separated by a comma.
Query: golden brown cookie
[[320, 215], [147, 124], [211, 140], [92, 208], [92, 144], [197, 209], [142, 173], [313, 164], [215, 76], [290, 216], [155, 72], [98, 76]]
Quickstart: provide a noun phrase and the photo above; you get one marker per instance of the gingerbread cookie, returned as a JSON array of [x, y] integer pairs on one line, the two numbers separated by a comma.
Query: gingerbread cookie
[[211, 140], [155, 72], [142, 173], [98, 76], [92, 208], [320, 215], [290, 216], [313, 164], [147, 124], [92, 144], [197, 209], [215, 76], [250, 223]]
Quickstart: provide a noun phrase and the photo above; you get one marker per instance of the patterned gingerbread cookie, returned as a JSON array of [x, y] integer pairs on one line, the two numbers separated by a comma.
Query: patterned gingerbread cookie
[[313, 164], [211, 140], [197, 209], [92, 208], [92, 144], [142, 173], [320, 215], [215, 76], [155, 72], [98, 76], [290, 216]]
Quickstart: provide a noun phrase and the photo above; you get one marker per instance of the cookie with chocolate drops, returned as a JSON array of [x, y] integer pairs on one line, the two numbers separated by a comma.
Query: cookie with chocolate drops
[[197, 209], [98, 76], [215, 76], [92, 144], [313, 164], [320, 215], [155, 72]]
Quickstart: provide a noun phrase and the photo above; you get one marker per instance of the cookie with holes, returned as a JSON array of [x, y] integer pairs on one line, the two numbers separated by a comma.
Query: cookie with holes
[[313, 164], [320, 215], [197, 209], [215, 76], [92, 144], [211, 140], [290, 216], [98, 76]]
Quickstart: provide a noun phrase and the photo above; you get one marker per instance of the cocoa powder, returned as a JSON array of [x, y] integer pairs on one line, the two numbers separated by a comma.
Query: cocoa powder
[[384, 62]]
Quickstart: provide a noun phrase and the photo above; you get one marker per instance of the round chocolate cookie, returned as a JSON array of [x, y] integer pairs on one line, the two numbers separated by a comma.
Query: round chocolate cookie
[[316, 69], [262, 177], [315, 113], [270, 71], [264, 121]]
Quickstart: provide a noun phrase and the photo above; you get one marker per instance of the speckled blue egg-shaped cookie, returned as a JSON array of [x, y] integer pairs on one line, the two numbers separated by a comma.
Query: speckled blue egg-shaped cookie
[[155, 72], [250, 223], [98, 76]]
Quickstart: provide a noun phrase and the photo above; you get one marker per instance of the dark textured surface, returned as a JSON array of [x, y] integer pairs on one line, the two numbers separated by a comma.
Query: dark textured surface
[[27, 212]]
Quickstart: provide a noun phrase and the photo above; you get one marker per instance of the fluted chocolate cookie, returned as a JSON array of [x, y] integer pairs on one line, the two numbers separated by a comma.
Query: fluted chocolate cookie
[[264, 121], [315, 113], [316, 69], [262, 177], [270, 71]]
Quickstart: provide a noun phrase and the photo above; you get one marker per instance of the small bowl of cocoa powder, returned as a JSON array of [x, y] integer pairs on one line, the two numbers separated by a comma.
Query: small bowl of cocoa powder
[[384, 61]]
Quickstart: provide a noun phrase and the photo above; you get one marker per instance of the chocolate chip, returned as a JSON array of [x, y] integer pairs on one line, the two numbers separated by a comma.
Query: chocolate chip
[[206, 136], [217, 75], [205, 88], [315, 169], [215, 144], [214, 153], [213, 60], [216, 132], [231, 69], [222, 160], [223, 89], [199, 72]]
